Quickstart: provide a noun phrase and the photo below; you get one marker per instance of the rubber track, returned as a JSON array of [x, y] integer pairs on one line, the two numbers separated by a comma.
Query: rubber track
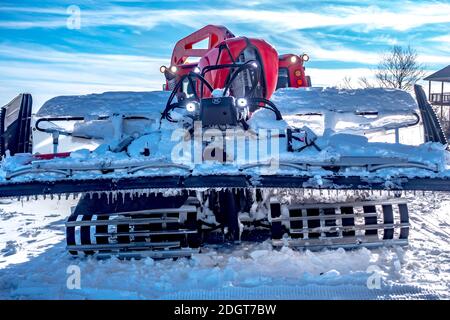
[[432, 127]]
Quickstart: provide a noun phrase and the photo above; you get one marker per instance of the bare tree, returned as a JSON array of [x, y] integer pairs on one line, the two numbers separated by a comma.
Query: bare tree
[[346, 83], [399, 69], [365, 83]]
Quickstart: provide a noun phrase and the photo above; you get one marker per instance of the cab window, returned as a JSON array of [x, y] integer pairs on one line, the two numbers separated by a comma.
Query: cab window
[[283, 78]]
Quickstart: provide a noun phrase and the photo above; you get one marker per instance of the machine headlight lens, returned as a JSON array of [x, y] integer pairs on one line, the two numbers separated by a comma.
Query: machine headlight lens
[[163, 69], [242, 102], [196, 70], [293, 59], [190, 106], [173, 69], [305, 57]]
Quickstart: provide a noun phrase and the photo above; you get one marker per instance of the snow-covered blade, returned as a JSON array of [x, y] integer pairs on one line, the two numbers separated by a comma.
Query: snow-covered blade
[[244, 170], [139, 154]]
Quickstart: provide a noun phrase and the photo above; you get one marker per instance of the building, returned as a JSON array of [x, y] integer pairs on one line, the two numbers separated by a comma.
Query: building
[[441, 99]]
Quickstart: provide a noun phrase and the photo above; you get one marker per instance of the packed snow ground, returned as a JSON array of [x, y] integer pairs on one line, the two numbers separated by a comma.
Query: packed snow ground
[[33, 264]]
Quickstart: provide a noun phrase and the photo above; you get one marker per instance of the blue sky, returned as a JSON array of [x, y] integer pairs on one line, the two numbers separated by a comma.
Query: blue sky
[[121, 44]]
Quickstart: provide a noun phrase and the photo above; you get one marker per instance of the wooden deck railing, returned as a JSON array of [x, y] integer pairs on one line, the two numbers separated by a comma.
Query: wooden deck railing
[[439, 98]]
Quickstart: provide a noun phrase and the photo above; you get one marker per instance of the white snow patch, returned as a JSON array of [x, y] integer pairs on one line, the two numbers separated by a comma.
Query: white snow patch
[[34, 262]]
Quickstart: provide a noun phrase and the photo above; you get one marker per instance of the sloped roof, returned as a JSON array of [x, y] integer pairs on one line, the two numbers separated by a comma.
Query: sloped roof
[[441, 75]]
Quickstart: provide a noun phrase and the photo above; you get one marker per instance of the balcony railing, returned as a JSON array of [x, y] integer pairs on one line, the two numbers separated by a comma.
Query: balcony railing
[[440, 98]]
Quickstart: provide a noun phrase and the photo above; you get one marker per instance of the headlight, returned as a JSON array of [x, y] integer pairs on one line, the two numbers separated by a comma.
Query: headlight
[[191, 106], [293, 59], [305, 57], [254, 64], [196, 70], [163, 69], [173, 69], [242, 102]]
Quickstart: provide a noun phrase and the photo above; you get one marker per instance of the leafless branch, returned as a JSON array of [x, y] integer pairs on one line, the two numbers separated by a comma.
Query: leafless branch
[[365, 83], [399, 69], [346, 83]]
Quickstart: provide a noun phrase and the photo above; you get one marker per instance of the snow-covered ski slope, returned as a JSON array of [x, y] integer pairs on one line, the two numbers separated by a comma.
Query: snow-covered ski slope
[[33, 264]]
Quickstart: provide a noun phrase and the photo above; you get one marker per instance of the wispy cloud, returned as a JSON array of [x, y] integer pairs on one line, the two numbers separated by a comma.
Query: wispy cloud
[[323, 50], [120, 45], [398, 17], [49, 73], [445, 39]]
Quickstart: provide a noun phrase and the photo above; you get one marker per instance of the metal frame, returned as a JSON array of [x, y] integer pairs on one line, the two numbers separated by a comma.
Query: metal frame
[[371, 164], [137, 184], [351, 243]]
